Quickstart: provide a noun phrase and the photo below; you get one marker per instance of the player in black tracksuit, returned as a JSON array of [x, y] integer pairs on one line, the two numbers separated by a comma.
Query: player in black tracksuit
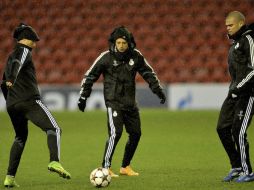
[[237, 109], [23, 103], [119, 68]]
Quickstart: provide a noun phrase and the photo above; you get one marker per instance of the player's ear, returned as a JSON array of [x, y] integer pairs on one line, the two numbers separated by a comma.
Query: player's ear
[[241, 23]]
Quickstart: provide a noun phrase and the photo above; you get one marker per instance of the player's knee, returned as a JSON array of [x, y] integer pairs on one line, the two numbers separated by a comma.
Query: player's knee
[[219, 128], [236, 133], [55, 132], [135, 136], [118, 135], [219, 131]]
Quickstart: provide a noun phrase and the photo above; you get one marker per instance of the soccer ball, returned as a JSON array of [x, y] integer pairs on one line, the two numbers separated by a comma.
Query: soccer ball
[[100, 177]]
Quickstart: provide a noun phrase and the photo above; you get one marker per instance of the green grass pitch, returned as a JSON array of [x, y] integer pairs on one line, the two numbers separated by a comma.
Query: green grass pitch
[[178, 151]]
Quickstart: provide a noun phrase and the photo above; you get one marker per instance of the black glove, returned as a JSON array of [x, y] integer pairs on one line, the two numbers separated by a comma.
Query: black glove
[[82, 103], [162, 96]]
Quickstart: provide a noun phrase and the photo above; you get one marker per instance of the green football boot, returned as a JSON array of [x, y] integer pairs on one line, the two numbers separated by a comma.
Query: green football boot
[[10, 182], [58, 168]]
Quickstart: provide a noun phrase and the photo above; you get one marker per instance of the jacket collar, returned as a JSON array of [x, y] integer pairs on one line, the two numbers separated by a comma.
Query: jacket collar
[[23, 45]]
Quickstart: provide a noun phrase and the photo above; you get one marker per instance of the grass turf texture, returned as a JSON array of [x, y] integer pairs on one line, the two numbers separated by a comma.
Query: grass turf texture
[[178, 150]]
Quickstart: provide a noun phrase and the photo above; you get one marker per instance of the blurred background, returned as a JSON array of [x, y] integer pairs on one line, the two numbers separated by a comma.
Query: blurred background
[[183, 40]]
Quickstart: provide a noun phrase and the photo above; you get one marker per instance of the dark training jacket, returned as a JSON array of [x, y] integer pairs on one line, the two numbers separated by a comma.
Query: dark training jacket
[[241, 62], [21, 72], [119, 78]]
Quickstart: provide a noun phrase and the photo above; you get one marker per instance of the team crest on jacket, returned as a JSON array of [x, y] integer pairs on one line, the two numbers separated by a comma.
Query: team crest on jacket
[[131, 62], [115, 63], [114, 114]]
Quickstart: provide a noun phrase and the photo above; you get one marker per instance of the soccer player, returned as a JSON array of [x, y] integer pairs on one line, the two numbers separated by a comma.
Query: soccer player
[[237, 110], [119, 66], [23, 103]]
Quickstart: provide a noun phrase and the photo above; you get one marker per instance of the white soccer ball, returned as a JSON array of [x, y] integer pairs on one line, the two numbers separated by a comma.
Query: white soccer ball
[[100, 177]]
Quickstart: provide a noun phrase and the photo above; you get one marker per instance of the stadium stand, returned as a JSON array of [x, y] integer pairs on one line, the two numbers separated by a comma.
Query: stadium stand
[[184, 40]]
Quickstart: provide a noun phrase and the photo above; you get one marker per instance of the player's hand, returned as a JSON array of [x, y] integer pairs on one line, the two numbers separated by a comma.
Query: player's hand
[[82, 103], [162, 97], [8, 84]]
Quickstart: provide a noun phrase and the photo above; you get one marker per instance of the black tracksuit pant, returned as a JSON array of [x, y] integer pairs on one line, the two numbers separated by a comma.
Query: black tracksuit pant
[[116, 119], [38, 113], [234, 120]]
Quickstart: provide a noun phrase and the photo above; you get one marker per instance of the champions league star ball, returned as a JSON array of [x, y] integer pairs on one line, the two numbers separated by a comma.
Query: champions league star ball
[[100, 177]]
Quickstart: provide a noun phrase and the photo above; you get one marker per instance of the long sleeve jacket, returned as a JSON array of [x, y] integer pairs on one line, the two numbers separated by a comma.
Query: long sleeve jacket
[[20, 71], [241, 62], [119, 78]]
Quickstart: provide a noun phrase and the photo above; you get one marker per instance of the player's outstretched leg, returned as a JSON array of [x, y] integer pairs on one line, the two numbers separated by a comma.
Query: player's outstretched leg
[[10, 182], [58, 168]]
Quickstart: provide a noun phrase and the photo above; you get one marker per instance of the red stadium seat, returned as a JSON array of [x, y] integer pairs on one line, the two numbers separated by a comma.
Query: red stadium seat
[[184, 41]]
